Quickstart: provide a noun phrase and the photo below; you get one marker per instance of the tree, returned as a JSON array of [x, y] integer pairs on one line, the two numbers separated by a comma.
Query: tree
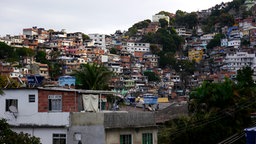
[[55, 70], [245, 42], [85, 37], [7, 136], [163, 23], [166, 59], [142, 24], [168, 38], [12, 54], [164, 13], [113, 51], [155, 49], [41, 57], [191, 20], [215, 41], [93, 76], [25, 52], [226, 19], [188, 20], [7, 82], [216, 111], [53, 55], [152, 76], [7, 52], [244, 77]]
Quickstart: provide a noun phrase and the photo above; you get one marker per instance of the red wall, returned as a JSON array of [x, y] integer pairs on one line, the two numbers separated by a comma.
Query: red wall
[[69, 100]]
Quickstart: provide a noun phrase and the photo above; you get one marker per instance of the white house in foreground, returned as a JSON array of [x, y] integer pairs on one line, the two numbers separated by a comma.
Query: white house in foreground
[[67, 116]]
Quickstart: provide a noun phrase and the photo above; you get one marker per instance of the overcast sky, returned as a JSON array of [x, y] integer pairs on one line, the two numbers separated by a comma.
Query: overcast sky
[[88, 16]]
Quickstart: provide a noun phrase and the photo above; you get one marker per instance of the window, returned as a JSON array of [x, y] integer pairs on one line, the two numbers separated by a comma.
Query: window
[[147, 138], [10, 102], [31, 98], [126, 139], [59, 138], [55, 102]]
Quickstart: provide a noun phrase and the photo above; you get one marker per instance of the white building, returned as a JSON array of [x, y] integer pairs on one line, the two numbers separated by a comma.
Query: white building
[[249, 4], [224, 42], [99, 40], [132, 47], [30, 31], [234, 43], [156, 18], [207, 37], [245, 25], [236, 61], [54, 115], [20, 108], [115, 67], [235, 34], [181, 31]]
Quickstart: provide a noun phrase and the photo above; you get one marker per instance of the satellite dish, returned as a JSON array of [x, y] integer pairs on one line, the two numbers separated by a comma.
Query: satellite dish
[[13, 109]]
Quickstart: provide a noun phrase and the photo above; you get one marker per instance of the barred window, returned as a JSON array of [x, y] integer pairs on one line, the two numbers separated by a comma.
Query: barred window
[[147, 138], [55, 103], [59, 138]]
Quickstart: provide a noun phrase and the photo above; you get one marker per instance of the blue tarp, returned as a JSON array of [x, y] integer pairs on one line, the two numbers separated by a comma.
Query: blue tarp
[[150, 99], [35, 80]]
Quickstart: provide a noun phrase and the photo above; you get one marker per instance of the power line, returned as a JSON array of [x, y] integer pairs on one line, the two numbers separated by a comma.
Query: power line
[[218, 116], [235, 137]]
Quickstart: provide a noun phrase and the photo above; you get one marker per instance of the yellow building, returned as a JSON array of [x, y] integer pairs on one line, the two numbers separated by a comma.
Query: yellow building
[[196, 54]]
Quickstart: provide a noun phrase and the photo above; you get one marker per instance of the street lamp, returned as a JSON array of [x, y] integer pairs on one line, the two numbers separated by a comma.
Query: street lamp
[[78, 137]]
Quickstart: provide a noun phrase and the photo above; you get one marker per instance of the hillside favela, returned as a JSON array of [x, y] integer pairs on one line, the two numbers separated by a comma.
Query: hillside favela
[[177, 78]]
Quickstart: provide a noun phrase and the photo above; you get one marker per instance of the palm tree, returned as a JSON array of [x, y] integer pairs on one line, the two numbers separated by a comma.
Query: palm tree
[[93, 77]]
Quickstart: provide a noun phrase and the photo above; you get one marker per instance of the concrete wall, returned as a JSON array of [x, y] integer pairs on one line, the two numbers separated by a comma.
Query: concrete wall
[[129, 119], [113, 135], [90, 134], [133, 123], [106, 127], [89, 125]]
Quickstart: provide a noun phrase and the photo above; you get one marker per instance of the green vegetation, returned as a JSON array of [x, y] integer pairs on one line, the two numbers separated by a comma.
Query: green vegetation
[[216, 41], [6, 82], [134, 29], [85, 37], [113, 51], [7, 136], [163, 23], [93, 77], [41, 57], [187, 20], [55, 70], [216, 112], [168, 38], [152, 76], [11, 54], [224, 16]]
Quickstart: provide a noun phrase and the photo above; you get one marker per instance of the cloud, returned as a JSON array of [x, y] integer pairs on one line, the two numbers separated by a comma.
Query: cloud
[[89, 16]]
